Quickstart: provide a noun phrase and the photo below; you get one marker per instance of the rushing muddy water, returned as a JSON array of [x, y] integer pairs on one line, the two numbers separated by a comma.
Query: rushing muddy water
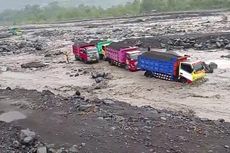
[[11, 116]]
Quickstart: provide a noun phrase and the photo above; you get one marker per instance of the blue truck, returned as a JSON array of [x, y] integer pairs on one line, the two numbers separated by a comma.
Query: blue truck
[[170, 66]]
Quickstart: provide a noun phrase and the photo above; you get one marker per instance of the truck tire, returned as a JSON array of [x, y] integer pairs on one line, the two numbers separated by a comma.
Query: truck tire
[[183, 80], [76, 58], [147, 74], [111, 62], [101, 56], [84, 61]]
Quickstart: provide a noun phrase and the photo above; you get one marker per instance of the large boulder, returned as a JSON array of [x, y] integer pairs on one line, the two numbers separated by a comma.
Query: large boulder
[[207, 68], [27, 137], [227, 47], [213, 65]]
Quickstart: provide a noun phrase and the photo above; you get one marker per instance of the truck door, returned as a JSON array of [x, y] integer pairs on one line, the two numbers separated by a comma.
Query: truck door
[[185, 71]]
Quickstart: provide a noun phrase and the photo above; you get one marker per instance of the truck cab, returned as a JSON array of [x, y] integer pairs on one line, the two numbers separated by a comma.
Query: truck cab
[[191, 71], [86, 52], [102, 49], [131, 60]]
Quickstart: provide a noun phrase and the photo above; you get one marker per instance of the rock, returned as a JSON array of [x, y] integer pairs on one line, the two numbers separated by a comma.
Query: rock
[[74, 149], [27, 136], [207, 68], [213, 65], [83, 144], [47, 92], [227, 47], [119, 118], [163, 118], [16, 144], [4, 68], [204, 119], [8, 88], [98, 80], [78, 93], [182, 138], [108, 101], [80, 70], [226, 146], [116, 30], [221, 120], [198, 46], [218, 44], [85, 108], [48, 55], [33, 65], [61, 150], [42, 150], [28, 140], [98, 74], [58, 53]]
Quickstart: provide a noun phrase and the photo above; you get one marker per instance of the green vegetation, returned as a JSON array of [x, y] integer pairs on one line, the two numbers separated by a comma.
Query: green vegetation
[[56, 12]]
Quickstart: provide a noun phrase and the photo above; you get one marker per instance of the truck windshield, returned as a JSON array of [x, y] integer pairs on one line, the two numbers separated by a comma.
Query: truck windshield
[[198, 67], [91, 50], [134, 56]]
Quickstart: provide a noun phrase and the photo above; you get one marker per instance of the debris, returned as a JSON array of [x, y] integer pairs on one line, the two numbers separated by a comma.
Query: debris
[[227, 46], [27, 136], [8, 88], [207, 68], [213, 65], [42, 150], [78, 93], [3, 68], [85, 108], [33, 65], [226, 146], [74, 149], [99, 79], [47, 92]]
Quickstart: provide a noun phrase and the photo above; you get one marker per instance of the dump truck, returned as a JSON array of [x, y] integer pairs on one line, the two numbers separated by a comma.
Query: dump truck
[[170, 66], [85, 52], [102, 49], [124, 57]]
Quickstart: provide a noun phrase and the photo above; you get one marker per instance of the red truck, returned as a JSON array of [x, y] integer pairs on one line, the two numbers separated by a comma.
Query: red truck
[[85, 52], [124, 57]]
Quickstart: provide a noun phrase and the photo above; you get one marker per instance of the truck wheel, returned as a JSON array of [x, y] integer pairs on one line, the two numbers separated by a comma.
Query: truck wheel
[[85, 61], [183, 80], [111, 62], [76, 58], [147, 74], [101, 56]]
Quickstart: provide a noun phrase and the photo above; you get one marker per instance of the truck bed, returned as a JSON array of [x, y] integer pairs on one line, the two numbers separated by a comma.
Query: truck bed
[[118, 54], [160, 62]]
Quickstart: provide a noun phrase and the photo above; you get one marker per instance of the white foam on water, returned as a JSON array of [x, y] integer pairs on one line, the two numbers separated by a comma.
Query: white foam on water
[[11, 116]]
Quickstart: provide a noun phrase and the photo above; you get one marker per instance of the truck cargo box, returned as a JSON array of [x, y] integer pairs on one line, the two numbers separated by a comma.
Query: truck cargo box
[[118, 54], [161, 62]]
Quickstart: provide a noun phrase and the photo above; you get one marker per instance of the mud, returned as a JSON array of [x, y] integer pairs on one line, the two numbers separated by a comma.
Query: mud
[[93, 125], [95, 117]]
